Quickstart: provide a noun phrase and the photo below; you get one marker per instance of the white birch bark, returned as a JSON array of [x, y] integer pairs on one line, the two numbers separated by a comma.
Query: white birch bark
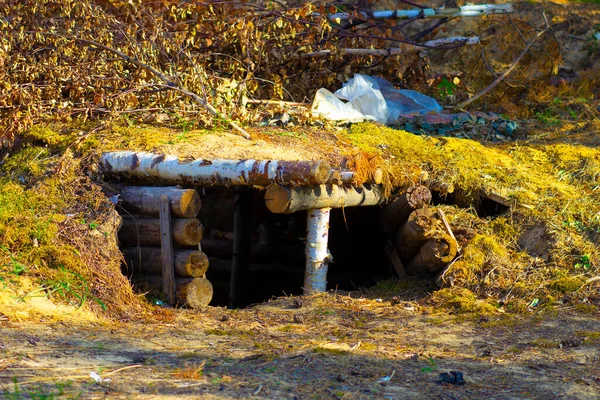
[[405, 48], [169, 169], [317, 254], [469, 10]]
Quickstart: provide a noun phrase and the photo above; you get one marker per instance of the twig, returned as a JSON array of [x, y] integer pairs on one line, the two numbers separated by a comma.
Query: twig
[[122, 369], [505, 73], [276, 102], [169, 83]]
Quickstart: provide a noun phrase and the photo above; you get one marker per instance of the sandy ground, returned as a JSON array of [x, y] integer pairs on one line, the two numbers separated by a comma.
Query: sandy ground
[[327, 346]]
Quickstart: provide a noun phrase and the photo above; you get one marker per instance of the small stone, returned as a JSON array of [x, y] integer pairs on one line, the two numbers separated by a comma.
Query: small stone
[[452, 378]]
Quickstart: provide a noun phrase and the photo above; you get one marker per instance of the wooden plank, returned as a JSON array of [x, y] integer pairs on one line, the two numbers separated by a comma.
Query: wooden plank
[[242, 235], [168, 271]]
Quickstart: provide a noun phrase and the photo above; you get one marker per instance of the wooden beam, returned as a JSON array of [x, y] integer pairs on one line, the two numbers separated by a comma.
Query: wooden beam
[[187, 263], [317, 254], [169, 169], [145, 200], [242, 236], [287, 200], [146, 231], [168, 273]]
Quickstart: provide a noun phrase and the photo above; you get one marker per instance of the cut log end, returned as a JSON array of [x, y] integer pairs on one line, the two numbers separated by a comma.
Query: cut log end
[[195, 293], [418, 196], [196, 264], [397, 212], [434, 255], [190, 203], [192, 232], [277, 198], [321, 172], [419, 228]]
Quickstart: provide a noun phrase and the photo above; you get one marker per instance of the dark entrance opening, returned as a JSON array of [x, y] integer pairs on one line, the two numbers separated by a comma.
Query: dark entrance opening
[[277, 260]]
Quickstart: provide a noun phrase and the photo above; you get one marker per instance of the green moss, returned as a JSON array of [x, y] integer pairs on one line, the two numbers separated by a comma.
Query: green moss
[[26, 162], [544, 343], [50, 137], [567, 284], [462, 300], [589, 336], [328, 350], [366, 346], [217, 332], [586, 308]]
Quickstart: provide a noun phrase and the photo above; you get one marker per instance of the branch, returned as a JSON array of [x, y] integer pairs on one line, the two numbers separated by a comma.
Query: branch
[[169, 83], [505, 73], [441, 44], [470, 10]]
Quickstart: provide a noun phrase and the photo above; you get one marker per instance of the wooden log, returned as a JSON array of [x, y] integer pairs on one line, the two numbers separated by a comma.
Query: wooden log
[[169, 169], [469, 10], [349, 177], [146, 231], [189, 292], [433, 256], [397, 212], [442, 188], [287, 200], [419, 228], [317, 254], [404, 48], [166, 249], [187, 263], [145, 200]]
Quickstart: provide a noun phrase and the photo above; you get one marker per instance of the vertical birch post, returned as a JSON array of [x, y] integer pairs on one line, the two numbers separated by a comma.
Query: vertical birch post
[[242, 232], [317, 255], [168, 272]]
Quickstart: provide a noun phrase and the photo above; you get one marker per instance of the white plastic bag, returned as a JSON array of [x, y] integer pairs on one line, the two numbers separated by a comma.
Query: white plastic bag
[[371, 98]]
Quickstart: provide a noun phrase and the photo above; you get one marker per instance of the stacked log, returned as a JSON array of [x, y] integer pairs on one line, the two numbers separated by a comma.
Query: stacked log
[[422, 240], [140, 238]]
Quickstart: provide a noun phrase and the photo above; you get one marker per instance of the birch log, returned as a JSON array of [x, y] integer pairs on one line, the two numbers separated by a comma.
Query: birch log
[[419, 228], [469, 10], [317, 254], [349, 177], [397, 212], [187, 263], [433, 256], [146, 200], [287, 200], [189, 292], [443, 43], [146, 231], [168, 169]]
